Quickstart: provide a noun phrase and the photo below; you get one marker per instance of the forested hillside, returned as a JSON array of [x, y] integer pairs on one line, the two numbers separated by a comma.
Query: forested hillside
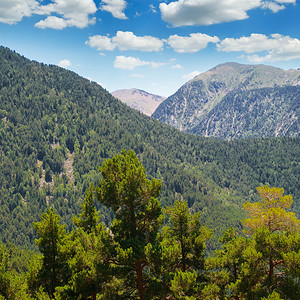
[[56, 128], [233, 101], [140, 257]]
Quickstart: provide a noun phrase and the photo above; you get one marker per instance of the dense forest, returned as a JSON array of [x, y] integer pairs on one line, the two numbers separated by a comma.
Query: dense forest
[[140, 257], [57, 128]]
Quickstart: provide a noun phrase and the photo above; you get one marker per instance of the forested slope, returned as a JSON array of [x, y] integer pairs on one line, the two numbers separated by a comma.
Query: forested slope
[[56, 128]]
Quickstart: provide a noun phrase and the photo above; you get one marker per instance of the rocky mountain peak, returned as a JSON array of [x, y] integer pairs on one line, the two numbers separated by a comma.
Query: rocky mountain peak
[[139, 100]]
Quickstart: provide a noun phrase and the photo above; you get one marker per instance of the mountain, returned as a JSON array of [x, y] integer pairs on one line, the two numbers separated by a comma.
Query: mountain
[[234, 101], [139, 100], [56, 128]]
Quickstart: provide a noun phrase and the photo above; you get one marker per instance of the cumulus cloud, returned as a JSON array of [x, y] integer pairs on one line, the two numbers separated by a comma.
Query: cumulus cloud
[[190, 75], [208, 12], [130, 63], [13, 11], [254, 43], [64, 63], [125, 40], [276, 47], [101, 43], [192, 43], [73, 13], [277, 5], [60, 13], [177, 66], [128, 41], [115, 7], [273, 6], [52, 22]]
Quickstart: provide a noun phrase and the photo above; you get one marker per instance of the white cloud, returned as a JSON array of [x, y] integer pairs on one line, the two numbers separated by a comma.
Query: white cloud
[[115, 7], [12, 11], [277, 47], [74, 13], [157, 64], [192, 43], [254, 43], [125, 40], [274, 7], [130, 63], [101, 43], [71, 13], [208, 12], [152, 8], [64, 63], [52, 22], [177, 66], [136, 75], [286, 1], [190, 75]]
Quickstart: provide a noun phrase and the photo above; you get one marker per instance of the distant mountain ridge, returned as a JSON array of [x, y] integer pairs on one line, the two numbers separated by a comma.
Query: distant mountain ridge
[[139, 100], [225, 102]]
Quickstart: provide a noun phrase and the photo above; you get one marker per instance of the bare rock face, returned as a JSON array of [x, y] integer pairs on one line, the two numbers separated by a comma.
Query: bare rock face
[[139, 100], [234, 101]]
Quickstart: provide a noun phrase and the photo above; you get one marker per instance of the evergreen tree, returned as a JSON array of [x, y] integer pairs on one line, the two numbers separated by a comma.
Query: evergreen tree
[[186, 231], [125, 189], [264, 264], [54, 270], [87, 252], [5, 281], [271, 212], [183, 250], [88, 217]]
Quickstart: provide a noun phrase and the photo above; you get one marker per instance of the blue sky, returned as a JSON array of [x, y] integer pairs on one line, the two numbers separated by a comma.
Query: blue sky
[[152, 45]]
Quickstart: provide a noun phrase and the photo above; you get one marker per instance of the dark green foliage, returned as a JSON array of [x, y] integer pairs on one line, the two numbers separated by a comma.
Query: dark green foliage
[[54, 121], [125, 188], [137, 259], [88, 217], [260, 265], [54, 269]]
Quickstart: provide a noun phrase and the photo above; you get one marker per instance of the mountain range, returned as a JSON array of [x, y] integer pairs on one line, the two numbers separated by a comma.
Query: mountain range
[[56, 128], [139, 100], [234, 101]]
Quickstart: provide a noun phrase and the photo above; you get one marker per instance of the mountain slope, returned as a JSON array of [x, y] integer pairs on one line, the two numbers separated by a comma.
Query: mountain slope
[[198, 106], [139, 100], [57, 127]]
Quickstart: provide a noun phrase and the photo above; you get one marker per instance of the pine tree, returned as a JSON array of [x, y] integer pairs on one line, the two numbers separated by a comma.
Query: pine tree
[[183, 250], [125, 189], [88, 217], [264, 264], [271, 212], [54, 268]]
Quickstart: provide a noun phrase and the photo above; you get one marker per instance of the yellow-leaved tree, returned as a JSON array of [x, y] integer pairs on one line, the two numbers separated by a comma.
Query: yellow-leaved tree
[[264, 264], [276, 238], [271, 211]]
